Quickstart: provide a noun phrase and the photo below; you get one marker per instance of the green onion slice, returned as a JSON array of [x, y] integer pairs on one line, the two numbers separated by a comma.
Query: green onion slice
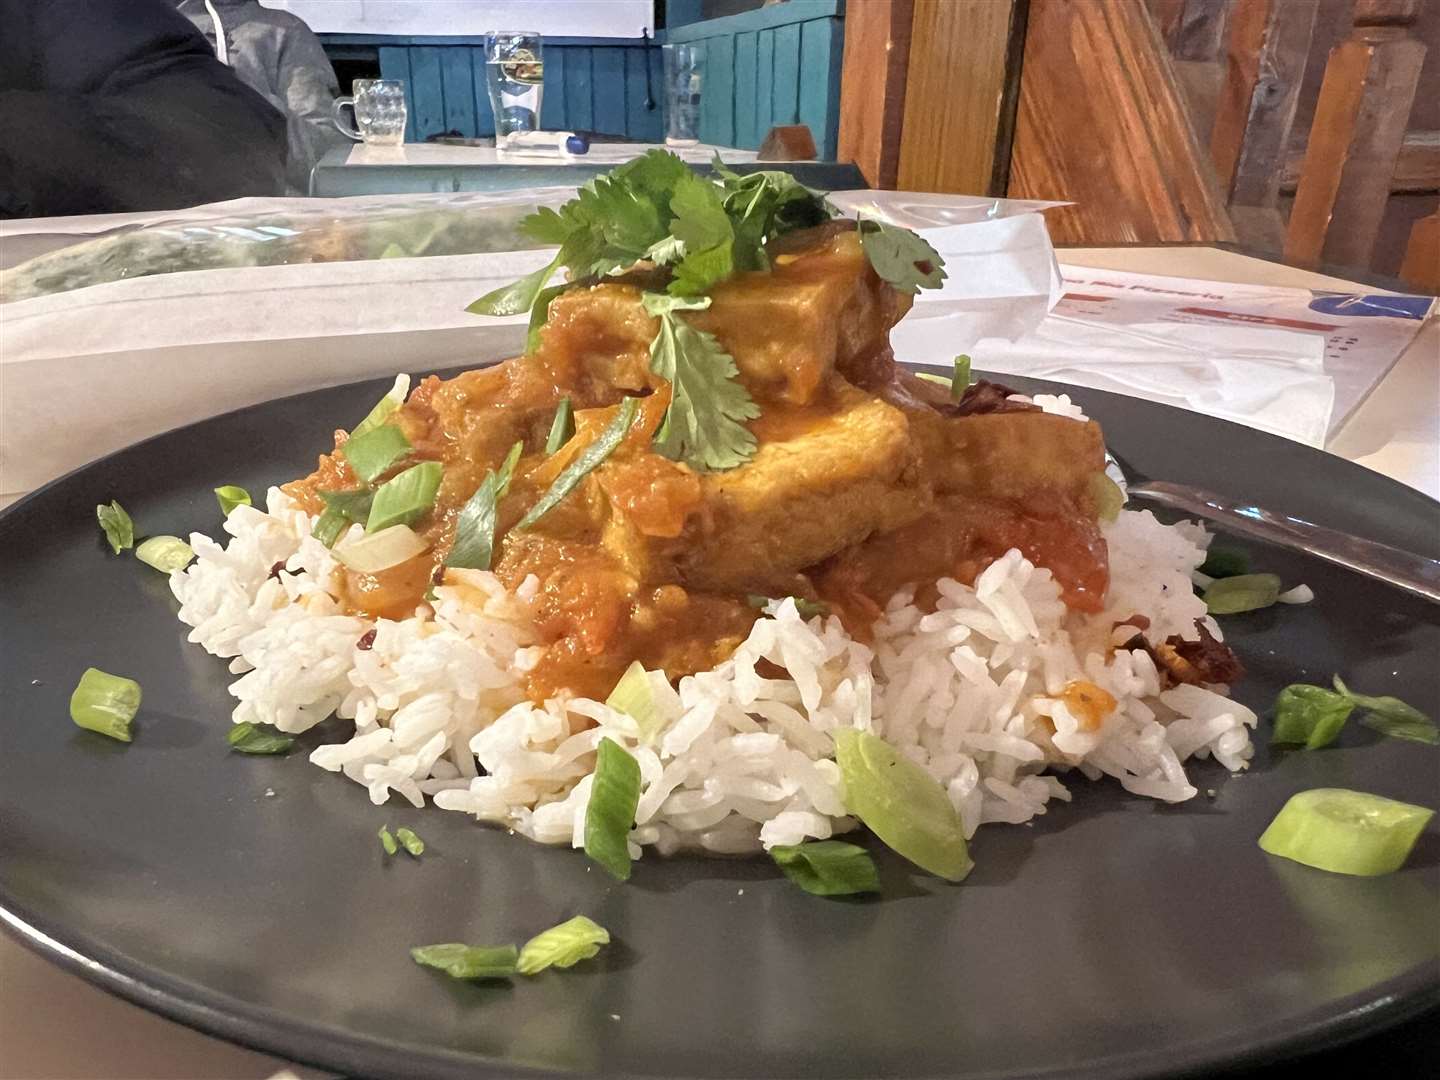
[[374, 452], [412, 844], [1106, 496], [1244, 592], [634, 695], [474, 546], [1220, 563], [614, 794], [387, 841], [230, 497], [828, 867], [961, 382], [562, 946], [562, 428], [469, 961], [585, 462], [403, 498], [342, 508], [807, 609], [1345, 832], [384, 407], [1310, 715], [105, 703], [382, 550], [902, 804], [1392, 707], [938, 380], [248, 738], [118, 528], [165, 553], [540, 314], [1421, 731]]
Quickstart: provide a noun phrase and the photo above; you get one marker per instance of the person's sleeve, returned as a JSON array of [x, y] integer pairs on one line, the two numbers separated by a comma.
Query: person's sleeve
[[130, 110], [307, 83]]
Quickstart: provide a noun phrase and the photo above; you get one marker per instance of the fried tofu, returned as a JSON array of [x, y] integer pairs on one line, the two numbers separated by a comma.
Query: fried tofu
[[1012, 455]]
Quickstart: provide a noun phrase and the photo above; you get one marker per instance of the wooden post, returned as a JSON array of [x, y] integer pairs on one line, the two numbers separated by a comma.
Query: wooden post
[[1421, 268], [1360, 121], [872, 86]]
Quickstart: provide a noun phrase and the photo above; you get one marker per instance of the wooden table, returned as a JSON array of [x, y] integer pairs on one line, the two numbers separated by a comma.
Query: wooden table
[[53, 1024]]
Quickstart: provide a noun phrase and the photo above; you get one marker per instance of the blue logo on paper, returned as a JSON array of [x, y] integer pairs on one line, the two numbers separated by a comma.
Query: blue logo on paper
[[1394, 307]]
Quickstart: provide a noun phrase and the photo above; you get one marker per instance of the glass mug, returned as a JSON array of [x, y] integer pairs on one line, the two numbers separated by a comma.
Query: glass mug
[[379, 106], [684, 70]]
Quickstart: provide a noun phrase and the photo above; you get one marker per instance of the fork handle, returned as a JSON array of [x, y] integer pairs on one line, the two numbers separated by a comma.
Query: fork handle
[[1413, 573]]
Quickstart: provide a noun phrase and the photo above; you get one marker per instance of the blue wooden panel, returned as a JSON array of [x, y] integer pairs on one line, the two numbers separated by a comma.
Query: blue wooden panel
[[791, 11], [608, 89], [552, 101], [579, 99], [645, 124], [427, 93], [395, 64], [785, 108], [747, 134], [458, 82], [484, 111], [821, 48], [764, 83], [717, 93]]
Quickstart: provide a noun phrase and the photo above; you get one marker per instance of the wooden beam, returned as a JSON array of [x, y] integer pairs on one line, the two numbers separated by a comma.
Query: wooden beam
[[1102, 122], [960, 94], [1417, 166], [1268, 46], [1198, 31], [872, 87], [1360, 121], [1421, 268]]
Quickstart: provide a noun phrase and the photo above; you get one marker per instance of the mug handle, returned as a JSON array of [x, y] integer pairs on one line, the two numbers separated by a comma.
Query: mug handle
[[335, 115]]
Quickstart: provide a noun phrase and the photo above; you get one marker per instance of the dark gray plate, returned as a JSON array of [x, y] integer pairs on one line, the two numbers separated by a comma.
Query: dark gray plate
[[1116, 937]]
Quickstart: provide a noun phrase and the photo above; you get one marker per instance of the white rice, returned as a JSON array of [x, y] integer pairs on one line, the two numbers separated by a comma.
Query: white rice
[[971, 691]]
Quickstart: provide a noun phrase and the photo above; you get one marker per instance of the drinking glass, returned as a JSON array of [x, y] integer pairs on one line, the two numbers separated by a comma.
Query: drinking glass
[[515, 76], [683, 71], [379, 106]]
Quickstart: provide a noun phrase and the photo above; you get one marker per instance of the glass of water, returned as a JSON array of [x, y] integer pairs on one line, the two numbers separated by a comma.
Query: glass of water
[[683, 71], [515, 76], [379, 106]]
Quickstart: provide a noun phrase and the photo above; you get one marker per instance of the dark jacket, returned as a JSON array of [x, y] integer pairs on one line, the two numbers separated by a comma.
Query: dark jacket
[[111, 105]]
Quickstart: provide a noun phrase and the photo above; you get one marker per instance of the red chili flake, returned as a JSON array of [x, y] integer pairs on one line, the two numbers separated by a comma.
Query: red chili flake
[[275, 570], [367, 640]]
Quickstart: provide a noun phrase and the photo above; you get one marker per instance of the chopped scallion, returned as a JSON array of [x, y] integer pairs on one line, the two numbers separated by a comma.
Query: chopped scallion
[[961, 382], [807, 609], [165, 553], [116, 524], [469, 961], [230, 496], [412, 844], [384, 407], [1243, 592], [381, 550], [614, 794], [105, 703], [387, 840], [585, 462], [1310, 715], [1345, 832], [248, 738], [902, 804], [1220, 563], [374, 452], [828, 867], [474, 545], [342, 508], [403, 498], [562, 946], [1106, 496], [562, 427], [634, 695]]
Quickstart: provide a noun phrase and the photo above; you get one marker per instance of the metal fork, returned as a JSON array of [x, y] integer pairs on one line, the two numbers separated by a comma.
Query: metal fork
[[1402, 569]]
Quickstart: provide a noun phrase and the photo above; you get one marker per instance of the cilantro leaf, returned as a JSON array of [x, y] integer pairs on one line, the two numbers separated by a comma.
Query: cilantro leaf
[[667, 251], [540, 314], [703, 227], [901, 257], [518, 297], [703, 425]]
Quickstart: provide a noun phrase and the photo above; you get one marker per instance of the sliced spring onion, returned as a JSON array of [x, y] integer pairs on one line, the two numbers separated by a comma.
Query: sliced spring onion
[[1391, 716], [585, 462], [808, 609], [902, 804], [474, 545], [611, 812], [116, 524], [403, 498], [1221, 563], [961, 382], [1244, 592], [342, 508], [229, 496], [165, 553], [381, 550], [412, 844], [562, 427], [1383, 706], [105, 703], [387, 841], [372, 453], [250, 738], [469, 961], [828, 867], [562, 946], [938, 380], [384, 407], [1310, 715], [1106, 495], [1345, 832], [634, 695], [540, 314]]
